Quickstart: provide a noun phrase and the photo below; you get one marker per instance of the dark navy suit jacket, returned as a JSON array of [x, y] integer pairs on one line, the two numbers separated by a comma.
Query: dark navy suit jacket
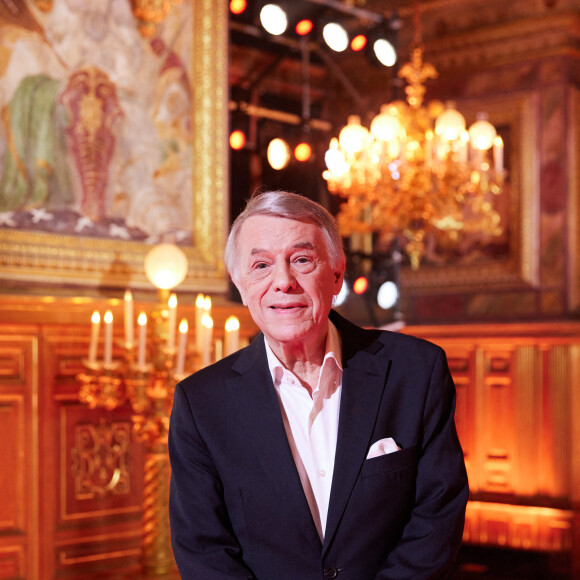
[[237, 506]]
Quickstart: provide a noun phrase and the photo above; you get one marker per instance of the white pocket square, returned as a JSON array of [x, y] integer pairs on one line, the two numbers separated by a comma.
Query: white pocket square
[[383, 447]]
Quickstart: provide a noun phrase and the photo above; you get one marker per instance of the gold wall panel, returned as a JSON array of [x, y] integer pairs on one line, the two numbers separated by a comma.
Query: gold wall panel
[[12, 564], [101, 465], [12, 450]]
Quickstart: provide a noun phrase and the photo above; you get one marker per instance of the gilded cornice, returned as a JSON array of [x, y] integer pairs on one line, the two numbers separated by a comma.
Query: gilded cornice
[[551, 35]]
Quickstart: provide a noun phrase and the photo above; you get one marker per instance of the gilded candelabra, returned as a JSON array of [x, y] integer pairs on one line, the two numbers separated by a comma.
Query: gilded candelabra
[[148, 389]]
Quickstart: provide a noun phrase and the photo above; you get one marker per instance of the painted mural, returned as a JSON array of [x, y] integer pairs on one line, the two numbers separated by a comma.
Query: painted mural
[[95, 118]]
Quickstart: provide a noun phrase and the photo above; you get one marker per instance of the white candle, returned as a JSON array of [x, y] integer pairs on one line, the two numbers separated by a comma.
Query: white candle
[[108, 318], [207, 305], [183, 328], [232, 335], [172, 321], [198, 326], [463, 141], [93, 345], [128, 319], [498, 154], [207, 324], [218, 349], [142, 322]]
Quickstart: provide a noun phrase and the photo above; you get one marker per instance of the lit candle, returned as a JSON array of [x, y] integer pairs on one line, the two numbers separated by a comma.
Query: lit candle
[[199, 301], [207, 324], [207, 305], [172, 321], [95, 325], [498, 154], [218, 349], [128, 319], [183, 328], [463, 141], [142, 322], [232, 335], [108, 318]]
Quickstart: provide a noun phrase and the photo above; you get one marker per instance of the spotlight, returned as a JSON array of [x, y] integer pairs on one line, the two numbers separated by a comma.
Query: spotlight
[[274, 19], [304, 27], [358, 42], [335, 36], [384, 52], [303, 152], [360, 285], [278, 154], [387, 295], [382, 43], [238, 6], [237, 139]]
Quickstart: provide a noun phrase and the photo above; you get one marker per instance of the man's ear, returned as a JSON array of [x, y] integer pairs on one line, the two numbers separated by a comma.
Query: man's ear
[[338, 278]]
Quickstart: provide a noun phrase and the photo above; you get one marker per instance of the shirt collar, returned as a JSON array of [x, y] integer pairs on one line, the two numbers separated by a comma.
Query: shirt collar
[[333, 350]]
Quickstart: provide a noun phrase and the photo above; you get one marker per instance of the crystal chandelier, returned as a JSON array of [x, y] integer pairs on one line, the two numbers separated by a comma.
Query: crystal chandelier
[[417, 171]]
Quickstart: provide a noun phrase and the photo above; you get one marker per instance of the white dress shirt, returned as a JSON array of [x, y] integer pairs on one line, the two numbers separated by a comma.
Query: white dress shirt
[[311, 423]]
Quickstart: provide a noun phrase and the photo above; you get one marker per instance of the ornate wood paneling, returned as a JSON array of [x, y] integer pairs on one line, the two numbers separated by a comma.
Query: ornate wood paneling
[[517, 418], [18, 451]]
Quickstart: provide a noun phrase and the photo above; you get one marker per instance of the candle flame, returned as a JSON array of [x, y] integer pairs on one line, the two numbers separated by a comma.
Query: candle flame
[[183, 327], [232, 323], [128, 296], [142, 320], [498, 141], [207, 321], [172, 303], [96, 317], [207, 303], [199, 300], [108, 317]]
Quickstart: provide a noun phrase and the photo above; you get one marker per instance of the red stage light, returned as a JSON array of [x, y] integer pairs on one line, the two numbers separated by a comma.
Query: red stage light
[[302, 152], [358, 42], [238, 6], [237, 139], [360, 285], [304, 27]]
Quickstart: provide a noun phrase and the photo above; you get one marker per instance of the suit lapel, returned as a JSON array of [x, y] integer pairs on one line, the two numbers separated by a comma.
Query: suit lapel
[[259, 412], [363, 383]]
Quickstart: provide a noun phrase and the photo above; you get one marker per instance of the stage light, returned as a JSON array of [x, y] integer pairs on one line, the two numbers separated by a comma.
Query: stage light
[[274, 19], [278, 154], [304, 27], [238, 6], [335, 36], [237, 139], [358, 42], [384, 52], [303, 152], [387, 295], [360, 285]]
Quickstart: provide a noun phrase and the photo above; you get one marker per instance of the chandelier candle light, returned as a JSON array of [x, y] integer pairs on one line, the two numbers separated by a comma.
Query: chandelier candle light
[[417, 170]]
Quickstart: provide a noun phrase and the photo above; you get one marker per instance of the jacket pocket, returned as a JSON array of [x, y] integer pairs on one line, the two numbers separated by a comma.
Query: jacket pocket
[[390, 462]]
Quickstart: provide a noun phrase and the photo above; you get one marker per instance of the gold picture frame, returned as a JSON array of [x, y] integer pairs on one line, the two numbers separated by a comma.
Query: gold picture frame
[[519, 267], [31, 259]]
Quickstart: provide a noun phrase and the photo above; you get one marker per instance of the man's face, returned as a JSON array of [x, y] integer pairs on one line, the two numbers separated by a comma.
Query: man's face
[[285, 278]]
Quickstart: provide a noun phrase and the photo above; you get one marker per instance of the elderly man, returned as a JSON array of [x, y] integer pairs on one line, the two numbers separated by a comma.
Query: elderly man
[[322, 450]]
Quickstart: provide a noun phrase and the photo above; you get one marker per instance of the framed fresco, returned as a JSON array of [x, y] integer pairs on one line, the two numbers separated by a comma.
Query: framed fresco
[[510, 260], [113, 138]]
